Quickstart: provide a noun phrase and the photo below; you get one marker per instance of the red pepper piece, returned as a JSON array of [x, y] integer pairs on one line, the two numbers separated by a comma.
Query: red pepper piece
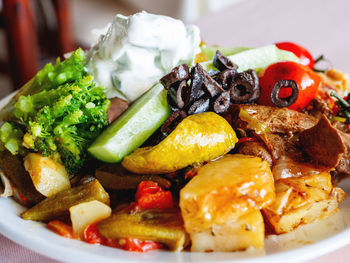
[[93, 236], [150, 195], [137, 245], [60, 228], [246, 139]]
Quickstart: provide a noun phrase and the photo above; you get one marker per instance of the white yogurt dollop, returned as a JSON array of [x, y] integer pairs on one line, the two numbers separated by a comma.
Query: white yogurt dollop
[[138, 50]]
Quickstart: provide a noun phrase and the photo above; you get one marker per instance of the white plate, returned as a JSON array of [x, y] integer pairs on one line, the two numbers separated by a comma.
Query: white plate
[[306, 242]]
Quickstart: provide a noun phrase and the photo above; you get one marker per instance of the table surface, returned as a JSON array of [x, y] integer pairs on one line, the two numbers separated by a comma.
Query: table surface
[[320, 25]]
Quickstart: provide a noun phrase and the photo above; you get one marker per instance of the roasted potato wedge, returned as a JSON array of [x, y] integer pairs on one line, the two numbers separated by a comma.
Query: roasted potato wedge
[[226, 189], [84, 214], [238, 234], [302, 200], [48, 176]]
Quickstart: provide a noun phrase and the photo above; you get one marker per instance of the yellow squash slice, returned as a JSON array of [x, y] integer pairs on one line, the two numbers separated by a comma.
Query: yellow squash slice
[[198, 138]]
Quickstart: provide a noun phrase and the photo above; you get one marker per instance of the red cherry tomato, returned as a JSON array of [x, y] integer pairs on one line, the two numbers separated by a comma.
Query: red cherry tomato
[[308, 82], [305, 57]]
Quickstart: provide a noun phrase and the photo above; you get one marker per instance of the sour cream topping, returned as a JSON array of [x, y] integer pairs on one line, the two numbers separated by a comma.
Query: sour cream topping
[[138, 50]]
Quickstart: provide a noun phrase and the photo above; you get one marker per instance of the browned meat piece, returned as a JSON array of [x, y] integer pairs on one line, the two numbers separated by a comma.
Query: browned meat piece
[[278, 120], [327, 145], [117, 107], [256, 149], [317, 107], [279, 146]]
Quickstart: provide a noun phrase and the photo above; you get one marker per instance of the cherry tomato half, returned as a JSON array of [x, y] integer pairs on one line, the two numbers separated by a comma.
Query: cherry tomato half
[[303, 54], [306, 79]]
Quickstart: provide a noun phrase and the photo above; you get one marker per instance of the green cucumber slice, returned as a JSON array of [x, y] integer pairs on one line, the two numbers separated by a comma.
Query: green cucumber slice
[[133, 127], [257, 58], [209, 51]]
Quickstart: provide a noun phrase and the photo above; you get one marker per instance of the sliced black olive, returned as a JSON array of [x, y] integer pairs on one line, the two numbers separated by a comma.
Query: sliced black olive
[[288, 101], [221, 62], [183, 94], [255, 80], [213, 73], [222, 102], [178, 74], [171, 99], [197, 80], [211, 86], [245, 87], [226, 77], [170, 124], [199, 106]]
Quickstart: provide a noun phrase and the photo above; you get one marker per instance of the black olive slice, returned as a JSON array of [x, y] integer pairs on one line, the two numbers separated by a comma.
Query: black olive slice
[[245, 87], [170, 124], [222, 102], [251, 74], [199, 106], [183, 94], [213, 73], [178, 73], [197, 80], [225, 77], [288, 101], [211, 86], [171, 99], [221, 62]]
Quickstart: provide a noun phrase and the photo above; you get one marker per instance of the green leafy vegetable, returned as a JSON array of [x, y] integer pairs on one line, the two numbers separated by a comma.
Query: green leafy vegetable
[[11, 138], [61, 118], [344, 106]]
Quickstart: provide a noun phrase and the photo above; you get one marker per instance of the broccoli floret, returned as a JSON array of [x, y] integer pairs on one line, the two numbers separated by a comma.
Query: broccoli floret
[[49, 78], [11, 138], [59, 113], [66, 127], [69, 70]]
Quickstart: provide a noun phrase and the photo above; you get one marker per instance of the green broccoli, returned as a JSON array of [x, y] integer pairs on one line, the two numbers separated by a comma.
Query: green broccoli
[[62, 119]]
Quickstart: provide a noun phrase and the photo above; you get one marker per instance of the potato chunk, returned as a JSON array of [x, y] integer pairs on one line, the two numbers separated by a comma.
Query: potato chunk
[[226, 189], [48, 176], [238, 234], [84, 214], [302, 200]]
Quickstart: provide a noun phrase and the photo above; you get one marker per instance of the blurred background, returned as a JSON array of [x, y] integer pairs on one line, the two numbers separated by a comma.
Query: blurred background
[[34, 32]]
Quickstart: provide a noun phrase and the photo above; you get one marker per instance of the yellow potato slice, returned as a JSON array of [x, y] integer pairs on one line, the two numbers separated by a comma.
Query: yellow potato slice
[[84, 214], [302, 200], [48, 176], [198, 138], [226, 189], [236, 235]]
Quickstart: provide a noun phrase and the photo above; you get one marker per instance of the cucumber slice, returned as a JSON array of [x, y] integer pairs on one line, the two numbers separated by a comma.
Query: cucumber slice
[[133, 127], [227, 51], [257, 58]]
